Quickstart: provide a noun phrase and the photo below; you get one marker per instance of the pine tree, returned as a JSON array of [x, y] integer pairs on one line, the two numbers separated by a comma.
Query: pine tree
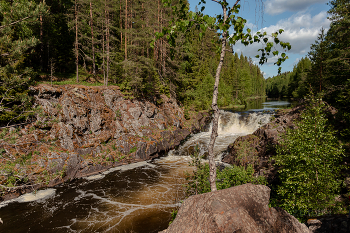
[[16, 40], [318, 56]]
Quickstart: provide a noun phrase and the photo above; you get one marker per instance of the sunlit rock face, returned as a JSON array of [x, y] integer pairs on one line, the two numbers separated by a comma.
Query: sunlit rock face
[[242, 208], [82, 130]]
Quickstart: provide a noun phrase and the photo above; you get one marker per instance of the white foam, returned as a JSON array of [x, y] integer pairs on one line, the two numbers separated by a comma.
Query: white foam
[[95, 177], [120, 168], [34, 196], [29, 197], [231, 126], [5, 203], [128, 167]]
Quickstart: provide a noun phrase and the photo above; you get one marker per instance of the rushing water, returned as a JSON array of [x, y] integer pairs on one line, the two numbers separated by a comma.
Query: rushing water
[[231, 126], [134, 198]]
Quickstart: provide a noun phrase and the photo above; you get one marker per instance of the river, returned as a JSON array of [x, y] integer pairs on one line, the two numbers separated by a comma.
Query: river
[[133, 198]]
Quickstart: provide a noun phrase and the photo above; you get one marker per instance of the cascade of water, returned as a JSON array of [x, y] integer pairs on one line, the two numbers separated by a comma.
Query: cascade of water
[[231, 126]]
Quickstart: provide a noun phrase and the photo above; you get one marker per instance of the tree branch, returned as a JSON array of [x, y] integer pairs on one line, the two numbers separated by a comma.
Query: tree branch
[[18, 21]]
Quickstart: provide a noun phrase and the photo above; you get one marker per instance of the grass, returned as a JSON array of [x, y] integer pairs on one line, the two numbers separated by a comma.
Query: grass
[[237, 106], [85, 79], [132, 150]]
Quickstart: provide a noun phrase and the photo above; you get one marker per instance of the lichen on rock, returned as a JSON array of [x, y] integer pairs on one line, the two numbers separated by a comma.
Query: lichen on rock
[[82, 130]]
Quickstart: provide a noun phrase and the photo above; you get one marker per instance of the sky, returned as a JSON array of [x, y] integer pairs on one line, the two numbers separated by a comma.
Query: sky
[[300, 19]]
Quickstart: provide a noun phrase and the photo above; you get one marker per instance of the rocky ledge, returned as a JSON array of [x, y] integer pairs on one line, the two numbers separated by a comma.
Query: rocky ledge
[[80, 131]]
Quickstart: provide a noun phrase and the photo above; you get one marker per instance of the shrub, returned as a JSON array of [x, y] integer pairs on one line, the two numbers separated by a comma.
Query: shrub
[[230, 176], [308, 158]]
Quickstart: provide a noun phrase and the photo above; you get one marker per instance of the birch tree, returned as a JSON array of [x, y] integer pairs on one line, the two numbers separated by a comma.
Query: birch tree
[[222, 23]]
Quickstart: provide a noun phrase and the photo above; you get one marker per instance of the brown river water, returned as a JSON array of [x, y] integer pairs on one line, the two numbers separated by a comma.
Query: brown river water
[[133, 198]]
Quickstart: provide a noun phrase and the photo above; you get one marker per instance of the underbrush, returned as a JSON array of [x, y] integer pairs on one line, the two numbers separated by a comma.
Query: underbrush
[[230, 176]]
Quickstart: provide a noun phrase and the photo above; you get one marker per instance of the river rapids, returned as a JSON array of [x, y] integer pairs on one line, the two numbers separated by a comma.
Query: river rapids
[[133, 198]]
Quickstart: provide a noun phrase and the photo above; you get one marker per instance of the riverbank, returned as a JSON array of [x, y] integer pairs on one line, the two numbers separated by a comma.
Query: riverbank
[[81, 131]]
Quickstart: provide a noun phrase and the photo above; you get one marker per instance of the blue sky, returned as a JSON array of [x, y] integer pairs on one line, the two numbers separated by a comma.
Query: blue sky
[[301, 20]]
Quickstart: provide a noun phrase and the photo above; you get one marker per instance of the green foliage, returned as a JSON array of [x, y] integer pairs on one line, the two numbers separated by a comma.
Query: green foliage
[[309, 157], [198, 182], [16, 40], [277, 86], [132, 150], [136, 67], [173, 215], [294, 84], [240, 78]]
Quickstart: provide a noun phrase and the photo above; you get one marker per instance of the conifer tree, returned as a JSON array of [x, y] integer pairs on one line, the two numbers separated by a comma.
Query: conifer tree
[[16, 40], [318, 56]]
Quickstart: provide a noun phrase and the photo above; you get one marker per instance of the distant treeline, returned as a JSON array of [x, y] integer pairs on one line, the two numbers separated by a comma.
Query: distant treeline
[[295, 84]]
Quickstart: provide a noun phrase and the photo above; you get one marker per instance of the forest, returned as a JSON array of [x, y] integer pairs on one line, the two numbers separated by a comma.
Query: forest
[[113, 42], [123, 43], [325, 72]]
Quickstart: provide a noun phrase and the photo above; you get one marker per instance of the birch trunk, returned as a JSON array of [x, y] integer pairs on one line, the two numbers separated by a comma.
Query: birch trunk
[[214, 105]]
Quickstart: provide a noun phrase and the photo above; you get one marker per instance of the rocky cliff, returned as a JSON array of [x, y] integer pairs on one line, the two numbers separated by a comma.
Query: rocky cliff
[[80, 131]]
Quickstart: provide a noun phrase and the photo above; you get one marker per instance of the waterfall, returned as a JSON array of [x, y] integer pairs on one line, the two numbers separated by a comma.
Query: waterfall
[[231, 126]]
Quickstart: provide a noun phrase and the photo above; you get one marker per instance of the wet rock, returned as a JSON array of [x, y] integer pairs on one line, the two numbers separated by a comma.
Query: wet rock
[[259, 147], [242, 208], [329, 224]]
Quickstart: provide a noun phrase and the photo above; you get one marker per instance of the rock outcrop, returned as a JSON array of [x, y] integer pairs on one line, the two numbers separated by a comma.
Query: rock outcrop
[[80, 131], [259, 147], [242, 209]]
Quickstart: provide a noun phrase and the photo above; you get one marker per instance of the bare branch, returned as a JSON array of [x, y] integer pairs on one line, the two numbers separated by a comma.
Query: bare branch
[[236, 3], [18, 21]]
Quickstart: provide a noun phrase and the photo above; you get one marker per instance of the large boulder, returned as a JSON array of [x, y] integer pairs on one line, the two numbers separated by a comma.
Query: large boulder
[[241, 209]]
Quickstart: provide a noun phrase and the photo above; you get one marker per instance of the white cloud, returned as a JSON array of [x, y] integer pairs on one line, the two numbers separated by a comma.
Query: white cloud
[[275, 7], [295, 62], [300, 30]]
